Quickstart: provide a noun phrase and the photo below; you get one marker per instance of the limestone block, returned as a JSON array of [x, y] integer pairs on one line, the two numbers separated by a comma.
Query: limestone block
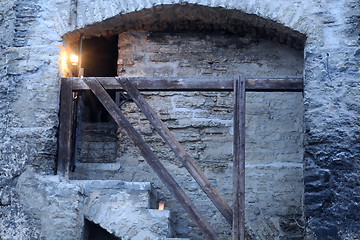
[[125, 194], [56, 204], [121, 208], [129, 222]]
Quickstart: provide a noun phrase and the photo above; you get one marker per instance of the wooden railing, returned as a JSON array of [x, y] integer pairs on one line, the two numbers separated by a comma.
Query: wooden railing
[[132, 85]]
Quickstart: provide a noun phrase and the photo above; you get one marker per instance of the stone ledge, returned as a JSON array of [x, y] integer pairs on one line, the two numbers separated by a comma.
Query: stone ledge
[[113, 184]]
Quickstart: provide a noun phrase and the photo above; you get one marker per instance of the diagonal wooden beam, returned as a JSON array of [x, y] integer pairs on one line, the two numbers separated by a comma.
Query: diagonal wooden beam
[[151, 159], [178, 149], [238, 232]]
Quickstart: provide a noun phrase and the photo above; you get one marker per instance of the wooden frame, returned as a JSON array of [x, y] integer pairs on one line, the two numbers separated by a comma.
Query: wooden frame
[[132, 86]]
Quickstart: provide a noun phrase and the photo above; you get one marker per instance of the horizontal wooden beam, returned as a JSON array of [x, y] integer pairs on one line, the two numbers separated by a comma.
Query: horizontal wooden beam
[[256, 84]]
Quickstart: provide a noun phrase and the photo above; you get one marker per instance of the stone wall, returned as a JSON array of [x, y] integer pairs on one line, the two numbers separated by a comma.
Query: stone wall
[[55, 206], [32, 30], [29, 104], [331, 103]]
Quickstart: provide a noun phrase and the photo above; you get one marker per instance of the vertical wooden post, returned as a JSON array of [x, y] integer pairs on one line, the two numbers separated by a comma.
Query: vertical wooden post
[[238, 232], [65, 127]]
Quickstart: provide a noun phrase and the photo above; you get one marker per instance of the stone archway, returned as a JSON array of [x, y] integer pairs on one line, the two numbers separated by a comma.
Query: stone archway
[[33, 29], [194, 40]]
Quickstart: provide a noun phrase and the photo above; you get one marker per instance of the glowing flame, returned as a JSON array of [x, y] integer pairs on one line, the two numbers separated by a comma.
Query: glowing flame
[[65, 61], [161, 205], [74, 59]]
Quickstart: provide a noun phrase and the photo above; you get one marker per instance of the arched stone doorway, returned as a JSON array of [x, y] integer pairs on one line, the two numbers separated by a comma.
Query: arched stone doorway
[[33, 30], [192, 40]]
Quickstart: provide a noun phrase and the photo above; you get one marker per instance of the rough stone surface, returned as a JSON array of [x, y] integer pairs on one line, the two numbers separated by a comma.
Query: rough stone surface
[[57, 209], [130, 223], [55, 206], [28, 107], [126, 194], [123, 209], [31, 30]]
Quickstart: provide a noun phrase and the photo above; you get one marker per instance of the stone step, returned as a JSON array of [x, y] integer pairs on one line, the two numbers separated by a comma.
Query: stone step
[[96, 171], [126, 194], [123, 209], [130, 223]]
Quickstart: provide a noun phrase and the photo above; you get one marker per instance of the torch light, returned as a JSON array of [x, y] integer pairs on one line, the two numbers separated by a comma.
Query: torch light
[[161, 205], [74, 60]]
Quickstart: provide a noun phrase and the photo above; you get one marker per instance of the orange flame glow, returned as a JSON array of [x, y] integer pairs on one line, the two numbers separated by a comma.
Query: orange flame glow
[[64, 61], [74, 60], [161, 205]]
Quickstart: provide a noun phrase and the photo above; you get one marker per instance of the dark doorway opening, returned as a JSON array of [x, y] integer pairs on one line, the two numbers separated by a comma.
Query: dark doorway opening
[[99, 56], [95, 232], [91, 110], [95, 135], [99, 59]]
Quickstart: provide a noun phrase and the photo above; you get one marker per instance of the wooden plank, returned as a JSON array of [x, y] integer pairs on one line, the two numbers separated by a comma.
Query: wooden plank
[[238, 232], [280, 84], [178, 149], [151, 159], [290, 84], [65, 127], [74, 131]]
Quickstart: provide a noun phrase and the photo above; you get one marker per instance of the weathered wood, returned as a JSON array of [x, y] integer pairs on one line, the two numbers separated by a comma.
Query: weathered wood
[[239, 160], [178, 149], [290, 84], [65, 128], [150, 157], [281, 84], [74, 131]]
